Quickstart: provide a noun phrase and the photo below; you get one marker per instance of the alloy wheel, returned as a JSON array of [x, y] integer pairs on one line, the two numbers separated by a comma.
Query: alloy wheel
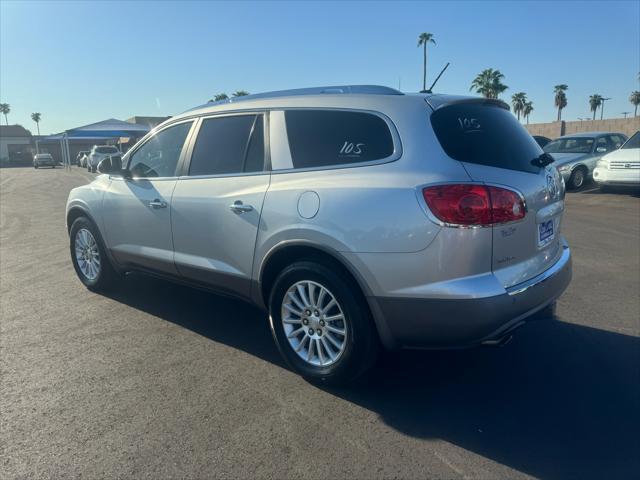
[[87, 254], [314, 323]]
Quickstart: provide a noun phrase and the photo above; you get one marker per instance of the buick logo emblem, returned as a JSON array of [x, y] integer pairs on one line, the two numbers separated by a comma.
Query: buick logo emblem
[[551, 186], [627, 165]]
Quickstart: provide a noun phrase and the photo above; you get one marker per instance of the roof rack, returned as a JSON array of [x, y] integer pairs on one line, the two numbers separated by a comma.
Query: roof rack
[[337, 89]]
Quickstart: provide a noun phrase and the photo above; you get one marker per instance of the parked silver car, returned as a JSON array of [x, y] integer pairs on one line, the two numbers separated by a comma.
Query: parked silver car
[[576, 155], [99, 153], [356, 216], [42, 160]]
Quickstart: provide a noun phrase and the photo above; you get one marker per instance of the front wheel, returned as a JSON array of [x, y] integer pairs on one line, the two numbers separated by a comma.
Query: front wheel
[[321, 324], [89, 256]]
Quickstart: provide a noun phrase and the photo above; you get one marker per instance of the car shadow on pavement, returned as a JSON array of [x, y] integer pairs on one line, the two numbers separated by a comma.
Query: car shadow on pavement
[[560, 401]]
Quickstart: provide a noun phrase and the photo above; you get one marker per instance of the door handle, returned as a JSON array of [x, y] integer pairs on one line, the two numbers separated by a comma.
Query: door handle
[[157, 203], [239, 207]]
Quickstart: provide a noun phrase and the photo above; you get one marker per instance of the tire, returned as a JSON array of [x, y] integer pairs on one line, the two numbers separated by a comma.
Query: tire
[[577, 179], [335, 358], [104, 276], [35, 166]]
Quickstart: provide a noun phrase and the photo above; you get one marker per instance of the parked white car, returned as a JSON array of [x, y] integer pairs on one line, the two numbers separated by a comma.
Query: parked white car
[[99, 153], [621, 167]]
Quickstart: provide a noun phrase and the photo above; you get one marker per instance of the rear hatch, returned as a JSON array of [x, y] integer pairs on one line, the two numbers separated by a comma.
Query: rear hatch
[[495, 149]]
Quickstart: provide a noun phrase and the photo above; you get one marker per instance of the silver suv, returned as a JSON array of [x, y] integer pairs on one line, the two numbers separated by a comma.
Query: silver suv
[[356, 216]]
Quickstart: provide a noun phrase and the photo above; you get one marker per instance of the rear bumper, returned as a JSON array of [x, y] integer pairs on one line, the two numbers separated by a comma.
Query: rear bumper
[[459, 323], [617, 177]]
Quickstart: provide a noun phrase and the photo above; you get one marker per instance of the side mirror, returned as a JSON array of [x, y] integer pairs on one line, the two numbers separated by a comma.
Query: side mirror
[[110, 165], [601, 149]]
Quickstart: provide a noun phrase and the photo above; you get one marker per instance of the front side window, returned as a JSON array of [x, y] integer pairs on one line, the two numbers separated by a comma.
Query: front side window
[[158, 156], [633, 142], [322, 138], [602, 144], [228, 145]]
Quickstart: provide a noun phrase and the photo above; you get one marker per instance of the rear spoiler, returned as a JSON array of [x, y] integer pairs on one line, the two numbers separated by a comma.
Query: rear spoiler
[[470, 100]]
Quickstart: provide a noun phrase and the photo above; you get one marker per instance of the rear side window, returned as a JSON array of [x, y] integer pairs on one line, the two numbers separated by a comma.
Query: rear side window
[[225, 143], [486, 135], [321, 138]]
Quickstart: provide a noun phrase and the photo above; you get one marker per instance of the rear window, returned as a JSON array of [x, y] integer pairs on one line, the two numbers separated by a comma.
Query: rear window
[[486, 135], [322, 138], [106, 150]]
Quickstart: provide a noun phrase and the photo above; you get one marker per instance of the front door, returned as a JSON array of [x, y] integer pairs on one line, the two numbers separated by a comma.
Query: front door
[[217, 205], [137, 210]]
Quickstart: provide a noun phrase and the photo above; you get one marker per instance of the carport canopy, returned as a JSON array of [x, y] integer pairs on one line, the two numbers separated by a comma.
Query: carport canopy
[[111, 128]]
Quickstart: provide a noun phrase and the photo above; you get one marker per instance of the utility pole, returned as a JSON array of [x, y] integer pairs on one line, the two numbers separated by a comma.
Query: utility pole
[[602, 107]]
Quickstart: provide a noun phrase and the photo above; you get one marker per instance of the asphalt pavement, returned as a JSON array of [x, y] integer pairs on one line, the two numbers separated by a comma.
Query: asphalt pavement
[[160, 381]]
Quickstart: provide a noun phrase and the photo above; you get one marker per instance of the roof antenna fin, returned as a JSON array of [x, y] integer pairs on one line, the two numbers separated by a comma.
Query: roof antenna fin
[[436, 80]]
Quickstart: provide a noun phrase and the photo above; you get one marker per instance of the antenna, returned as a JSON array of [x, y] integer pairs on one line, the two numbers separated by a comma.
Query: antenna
[[436, 80]]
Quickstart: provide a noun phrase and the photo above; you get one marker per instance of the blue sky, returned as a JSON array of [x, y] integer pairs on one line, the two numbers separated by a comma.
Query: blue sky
[[78, 63]]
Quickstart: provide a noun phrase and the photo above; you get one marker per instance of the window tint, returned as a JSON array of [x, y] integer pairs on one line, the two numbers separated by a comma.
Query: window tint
[[486, 135], [223, 143], [320, 138], [159, 155]]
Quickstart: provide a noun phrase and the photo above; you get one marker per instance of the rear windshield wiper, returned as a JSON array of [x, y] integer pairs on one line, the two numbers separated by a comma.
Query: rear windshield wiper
[[542, 160]]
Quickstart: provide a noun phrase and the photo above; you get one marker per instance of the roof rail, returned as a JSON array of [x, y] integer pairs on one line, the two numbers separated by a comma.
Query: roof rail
[[337, 89]]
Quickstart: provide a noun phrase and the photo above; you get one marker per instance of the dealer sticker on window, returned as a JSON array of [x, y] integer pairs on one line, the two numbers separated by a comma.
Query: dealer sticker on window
[[545, 232]]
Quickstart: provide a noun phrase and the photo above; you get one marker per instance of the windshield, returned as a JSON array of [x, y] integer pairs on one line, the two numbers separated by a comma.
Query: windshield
[[633, 142], [106, 150], [570, 145]]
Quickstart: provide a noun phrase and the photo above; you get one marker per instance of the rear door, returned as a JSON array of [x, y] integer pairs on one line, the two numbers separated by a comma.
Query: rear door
[[495, 149], [218, 200]]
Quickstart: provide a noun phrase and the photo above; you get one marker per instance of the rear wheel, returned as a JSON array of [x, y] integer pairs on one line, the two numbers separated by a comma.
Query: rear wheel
[[321, 324], [577, 178], [89, 257]]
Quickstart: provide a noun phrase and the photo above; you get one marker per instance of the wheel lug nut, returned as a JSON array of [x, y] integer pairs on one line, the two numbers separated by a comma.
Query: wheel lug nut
[[319, 332], [311, 331], [307, 312], [322, 323], [305, 321]]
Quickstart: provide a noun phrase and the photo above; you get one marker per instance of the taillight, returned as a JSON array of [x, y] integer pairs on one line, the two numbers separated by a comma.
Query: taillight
[[471, 204]]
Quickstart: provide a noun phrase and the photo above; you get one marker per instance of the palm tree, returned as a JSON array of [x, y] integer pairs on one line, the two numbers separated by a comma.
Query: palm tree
[[423, 39], [219, 97], [561, 98], [634, 98], [5, 108], [488, 83], [240, 93], [595, 101], [36, 118], [526, 111], [518, 100]]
